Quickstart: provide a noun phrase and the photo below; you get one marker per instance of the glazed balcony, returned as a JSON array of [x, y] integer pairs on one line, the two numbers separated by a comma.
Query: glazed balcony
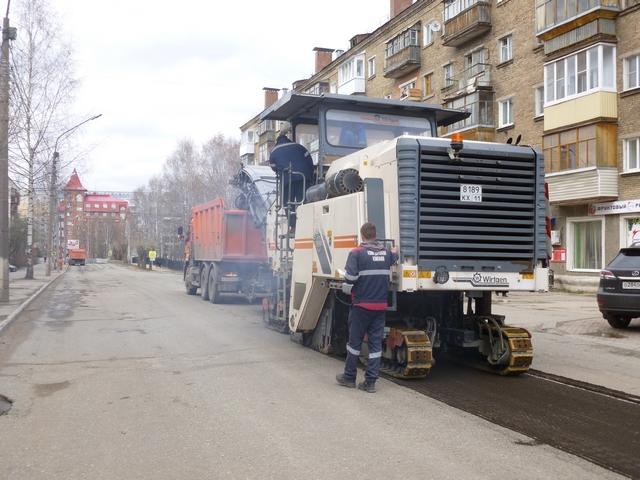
[[465, 20], [405, 61]]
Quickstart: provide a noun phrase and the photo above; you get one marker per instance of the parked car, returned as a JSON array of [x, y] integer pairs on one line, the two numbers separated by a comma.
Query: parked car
[[13, 268], [619, 290]]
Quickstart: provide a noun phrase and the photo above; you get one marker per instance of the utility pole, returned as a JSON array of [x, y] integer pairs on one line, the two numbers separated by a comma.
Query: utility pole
[[8, 33], [52, 193]]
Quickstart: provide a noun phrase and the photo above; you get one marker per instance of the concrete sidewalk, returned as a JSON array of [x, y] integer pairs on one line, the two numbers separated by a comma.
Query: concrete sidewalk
[[22, 292]]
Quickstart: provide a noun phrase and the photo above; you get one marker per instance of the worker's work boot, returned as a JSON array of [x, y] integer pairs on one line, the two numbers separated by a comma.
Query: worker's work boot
[[369, 387], [345, 382]]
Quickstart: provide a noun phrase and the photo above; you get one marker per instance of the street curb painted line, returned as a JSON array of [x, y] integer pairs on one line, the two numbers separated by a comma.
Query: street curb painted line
[[16, 313]]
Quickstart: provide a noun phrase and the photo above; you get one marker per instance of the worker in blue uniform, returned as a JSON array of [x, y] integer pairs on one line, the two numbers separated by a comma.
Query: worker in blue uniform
[[367, 278], [288, 154]]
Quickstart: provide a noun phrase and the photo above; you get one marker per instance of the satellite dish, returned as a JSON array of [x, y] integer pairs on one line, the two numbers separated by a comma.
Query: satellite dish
[[435, 26]]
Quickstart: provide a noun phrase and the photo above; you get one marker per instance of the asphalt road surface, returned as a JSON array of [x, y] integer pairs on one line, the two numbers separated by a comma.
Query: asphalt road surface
[[117, 373]]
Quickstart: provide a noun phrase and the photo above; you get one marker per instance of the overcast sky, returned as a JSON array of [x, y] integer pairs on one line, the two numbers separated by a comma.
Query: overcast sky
[[161, 71]]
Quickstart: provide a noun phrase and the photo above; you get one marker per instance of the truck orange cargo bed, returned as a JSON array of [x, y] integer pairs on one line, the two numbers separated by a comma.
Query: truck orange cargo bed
[[223, 235]]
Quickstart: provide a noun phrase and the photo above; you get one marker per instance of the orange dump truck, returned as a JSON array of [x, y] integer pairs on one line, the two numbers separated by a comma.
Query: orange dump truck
[[77, 256], [225, 255]]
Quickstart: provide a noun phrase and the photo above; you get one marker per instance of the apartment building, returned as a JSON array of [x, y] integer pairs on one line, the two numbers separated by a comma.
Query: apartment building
[[559, 75]]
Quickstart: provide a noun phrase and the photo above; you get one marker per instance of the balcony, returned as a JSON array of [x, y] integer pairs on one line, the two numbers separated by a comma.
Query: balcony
[[470, 23], [405, 61], [468, 81], [247, 148], [594, 18], [591, 184]]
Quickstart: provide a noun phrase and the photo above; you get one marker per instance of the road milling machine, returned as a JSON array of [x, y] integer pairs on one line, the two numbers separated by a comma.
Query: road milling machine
[[469, 219]]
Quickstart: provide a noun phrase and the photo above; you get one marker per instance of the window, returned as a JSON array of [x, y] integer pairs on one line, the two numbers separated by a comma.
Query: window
[[104, 205], [453, 8], [474, 63], [113, 206], [88, 205], [427, 84], [539, 95], [78, 198], [96, 205], [427, 34], [632, 227], [264, 153], [266, 126], [553, 12], [506, 48], [631, 72], [631, 152], [78, 209], [506, 113], [351, 76], [371, 64], [405, 89], [481, 106], [579, 74], [247, 137], [333, 88], [350, 129], [586, 244], [353, 68], [447, 73], [575, 148], [408, 38]]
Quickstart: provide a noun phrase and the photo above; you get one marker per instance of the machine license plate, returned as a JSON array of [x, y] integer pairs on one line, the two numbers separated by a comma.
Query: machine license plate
[[470, 193], [631, 285], [233, 279]]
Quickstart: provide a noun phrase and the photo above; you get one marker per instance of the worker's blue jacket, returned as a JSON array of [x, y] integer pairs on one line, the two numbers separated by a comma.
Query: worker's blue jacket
[[287, 153], [368, 269]]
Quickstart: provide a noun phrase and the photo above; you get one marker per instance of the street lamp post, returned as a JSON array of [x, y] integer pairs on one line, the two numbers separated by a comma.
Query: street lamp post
[[52, 193]]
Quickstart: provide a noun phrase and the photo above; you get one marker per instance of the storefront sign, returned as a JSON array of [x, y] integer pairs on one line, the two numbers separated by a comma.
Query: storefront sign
[[627, 206]]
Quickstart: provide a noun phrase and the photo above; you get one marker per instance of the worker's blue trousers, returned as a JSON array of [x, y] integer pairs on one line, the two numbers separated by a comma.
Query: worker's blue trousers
[[363, 321]]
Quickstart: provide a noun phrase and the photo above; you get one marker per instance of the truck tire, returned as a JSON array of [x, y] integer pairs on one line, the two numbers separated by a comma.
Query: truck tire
[[214, 291], [191, 290], [204, 284]]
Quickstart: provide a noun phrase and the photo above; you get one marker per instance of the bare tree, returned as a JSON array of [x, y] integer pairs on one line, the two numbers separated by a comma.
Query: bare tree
[[221, 161], [42, 90], [189, 177]]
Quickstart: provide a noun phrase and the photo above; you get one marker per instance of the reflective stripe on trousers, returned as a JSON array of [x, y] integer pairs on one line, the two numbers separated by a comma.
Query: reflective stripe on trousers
[[363, 321]]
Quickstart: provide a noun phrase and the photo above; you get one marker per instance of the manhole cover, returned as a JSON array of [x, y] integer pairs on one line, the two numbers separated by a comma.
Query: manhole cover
[[5, 404]]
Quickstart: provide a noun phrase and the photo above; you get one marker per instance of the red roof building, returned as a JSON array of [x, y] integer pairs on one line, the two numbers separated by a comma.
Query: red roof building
[[95, 222]]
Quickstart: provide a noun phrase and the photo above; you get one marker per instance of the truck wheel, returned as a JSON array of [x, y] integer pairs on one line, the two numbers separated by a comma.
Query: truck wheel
[[214, 292], [204, 284], [191, 290]]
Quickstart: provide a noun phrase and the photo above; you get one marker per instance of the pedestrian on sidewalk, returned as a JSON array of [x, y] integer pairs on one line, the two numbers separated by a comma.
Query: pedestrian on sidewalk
[[367, 279]]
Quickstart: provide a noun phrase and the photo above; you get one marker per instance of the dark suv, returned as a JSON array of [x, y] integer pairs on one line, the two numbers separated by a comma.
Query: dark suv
[[619, 289]]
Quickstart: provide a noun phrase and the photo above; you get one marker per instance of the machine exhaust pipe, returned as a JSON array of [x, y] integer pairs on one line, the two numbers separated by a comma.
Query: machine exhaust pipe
[[344, 182]]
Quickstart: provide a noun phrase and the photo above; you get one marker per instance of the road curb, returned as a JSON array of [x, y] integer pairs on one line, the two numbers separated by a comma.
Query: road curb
[[16, 313]]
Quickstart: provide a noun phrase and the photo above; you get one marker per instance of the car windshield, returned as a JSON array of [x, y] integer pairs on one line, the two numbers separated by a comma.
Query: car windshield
[[628, 258]]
